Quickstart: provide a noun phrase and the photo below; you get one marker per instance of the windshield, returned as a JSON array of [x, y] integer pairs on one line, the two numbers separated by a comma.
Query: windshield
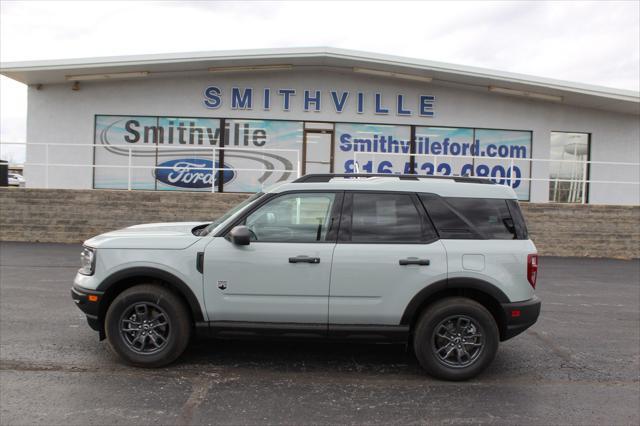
[[210, 227]]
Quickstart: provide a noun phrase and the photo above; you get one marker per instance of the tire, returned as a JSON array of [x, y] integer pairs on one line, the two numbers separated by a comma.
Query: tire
[[467, 325], [149, 344]]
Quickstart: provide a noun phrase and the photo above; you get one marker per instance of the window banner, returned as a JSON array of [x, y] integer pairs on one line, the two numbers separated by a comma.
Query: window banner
[[261, 153], [495, 149], [447, 151], [489, 156], [450, 144], [176, 153], [187, 162], [167, 153], [113, 138], [357, 141]]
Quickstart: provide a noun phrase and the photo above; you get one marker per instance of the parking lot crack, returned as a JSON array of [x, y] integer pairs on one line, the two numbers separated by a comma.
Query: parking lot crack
[[570, 361], [199, 390]]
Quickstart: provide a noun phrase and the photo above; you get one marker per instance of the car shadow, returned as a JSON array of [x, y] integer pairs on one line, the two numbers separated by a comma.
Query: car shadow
[[302, 356]]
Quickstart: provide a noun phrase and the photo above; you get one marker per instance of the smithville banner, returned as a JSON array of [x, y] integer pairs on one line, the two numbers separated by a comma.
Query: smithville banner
[[176, 154]]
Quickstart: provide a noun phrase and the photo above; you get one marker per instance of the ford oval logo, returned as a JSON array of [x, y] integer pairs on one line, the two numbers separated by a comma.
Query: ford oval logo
[[191, 173]]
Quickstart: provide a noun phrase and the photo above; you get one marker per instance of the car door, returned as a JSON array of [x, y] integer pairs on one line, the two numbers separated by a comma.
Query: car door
[[387, 251], [283, 275]]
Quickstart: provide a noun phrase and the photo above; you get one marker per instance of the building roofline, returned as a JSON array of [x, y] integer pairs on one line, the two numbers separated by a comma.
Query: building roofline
[[19, 70]]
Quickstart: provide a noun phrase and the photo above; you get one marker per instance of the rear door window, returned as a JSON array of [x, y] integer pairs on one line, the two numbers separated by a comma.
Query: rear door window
[[388, 218]]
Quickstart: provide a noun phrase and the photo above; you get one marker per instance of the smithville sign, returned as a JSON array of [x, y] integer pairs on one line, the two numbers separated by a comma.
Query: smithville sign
[[314, 100]]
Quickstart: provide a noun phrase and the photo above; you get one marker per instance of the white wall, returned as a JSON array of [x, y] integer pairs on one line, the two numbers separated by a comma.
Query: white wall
[[58, 114]]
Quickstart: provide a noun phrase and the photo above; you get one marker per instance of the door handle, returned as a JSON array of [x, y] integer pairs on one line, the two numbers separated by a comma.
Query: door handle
[[414, 261], [304, 259]]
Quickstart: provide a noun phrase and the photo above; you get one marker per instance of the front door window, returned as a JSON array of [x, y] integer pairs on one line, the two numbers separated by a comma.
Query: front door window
[[292, 218]]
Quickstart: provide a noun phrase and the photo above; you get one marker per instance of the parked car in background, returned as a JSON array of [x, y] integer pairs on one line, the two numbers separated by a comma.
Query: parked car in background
[[16, 179]]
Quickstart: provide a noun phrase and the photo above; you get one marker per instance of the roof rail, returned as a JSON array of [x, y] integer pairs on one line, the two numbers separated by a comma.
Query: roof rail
[[326, 177]]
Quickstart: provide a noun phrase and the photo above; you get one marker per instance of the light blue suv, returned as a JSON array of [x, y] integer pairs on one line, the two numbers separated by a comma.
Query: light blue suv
[[442, 263]]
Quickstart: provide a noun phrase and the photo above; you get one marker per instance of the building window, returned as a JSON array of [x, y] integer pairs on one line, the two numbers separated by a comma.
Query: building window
[[453, 146], [177, 153], [500, 155], [260, 153], [247, 155], [568, 170], [185, 157], [503, 156], [357, 143], [165, 153]]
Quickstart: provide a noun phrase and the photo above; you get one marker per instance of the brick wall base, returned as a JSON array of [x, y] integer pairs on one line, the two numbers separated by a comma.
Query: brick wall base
[[72, 216], [584, 230]]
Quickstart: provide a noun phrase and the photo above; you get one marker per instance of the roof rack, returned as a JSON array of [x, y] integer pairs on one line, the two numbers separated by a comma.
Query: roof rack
[[326, 177]]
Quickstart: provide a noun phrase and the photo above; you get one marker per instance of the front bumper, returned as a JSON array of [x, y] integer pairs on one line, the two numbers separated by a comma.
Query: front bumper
[[88, 301], [519, 316]]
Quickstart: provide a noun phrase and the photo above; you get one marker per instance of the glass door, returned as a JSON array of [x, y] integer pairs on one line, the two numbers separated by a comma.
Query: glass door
[[318, 148]]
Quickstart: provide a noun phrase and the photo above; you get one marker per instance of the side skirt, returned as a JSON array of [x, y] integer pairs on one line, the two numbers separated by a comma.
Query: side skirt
[[267, 330]]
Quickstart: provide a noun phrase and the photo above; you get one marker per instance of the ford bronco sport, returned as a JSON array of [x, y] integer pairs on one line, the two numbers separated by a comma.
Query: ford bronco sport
[[444, 264]]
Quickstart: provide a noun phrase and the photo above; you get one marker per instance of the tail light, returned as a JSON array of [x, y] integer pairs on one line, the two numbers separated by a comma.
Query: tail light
[[532, 269]]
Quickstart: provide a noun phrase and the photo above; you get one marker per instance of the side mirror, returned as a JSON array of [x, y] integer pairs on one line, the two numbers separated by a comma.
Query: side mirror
[[240, 235]]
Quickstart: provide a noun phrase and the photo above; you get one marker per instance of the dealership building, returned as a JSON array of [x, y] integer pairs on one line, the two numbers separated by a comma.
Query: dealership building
[[239, 121]]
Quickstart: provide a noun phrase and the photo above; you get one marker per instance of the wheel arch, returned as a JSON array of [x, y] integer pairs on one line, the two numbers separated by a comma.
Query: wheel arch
[[483, 292], [119, 281]]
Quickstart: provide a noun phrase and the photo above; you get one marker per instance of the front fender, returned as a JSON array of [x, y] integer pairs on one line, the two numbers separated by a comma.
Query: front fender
[[143, 272]]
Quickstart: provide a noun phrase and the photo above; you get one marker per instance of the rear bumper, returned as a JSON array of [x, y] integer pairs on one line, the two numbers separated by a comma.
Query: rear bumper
[[86, 304], [519, 316]]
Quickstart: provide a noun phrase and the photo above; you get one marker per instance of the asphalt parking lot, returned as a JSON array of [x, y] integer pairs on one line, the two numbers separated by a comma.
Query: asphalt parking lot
[[578, 365]]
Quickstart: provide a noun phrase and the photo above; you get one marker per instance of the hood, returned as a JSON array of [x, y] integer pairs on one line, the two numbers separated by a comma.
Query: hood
[[157, 236]]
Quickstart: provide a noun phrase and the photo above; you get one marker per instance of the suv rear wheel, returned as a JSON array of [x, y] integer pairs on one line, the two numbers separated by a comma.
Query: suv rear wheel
[[455, 339], [148, 326]]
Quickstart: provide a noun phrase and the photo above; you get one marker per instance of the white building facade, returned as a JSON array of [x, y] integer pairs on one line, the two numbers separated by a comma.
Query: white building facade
[[240, 121]]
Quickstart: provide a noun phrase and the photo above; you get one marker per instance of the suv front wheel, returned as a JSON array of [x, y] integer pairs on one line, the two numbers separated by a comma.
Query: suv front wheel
[[148, 326], [455, 339]]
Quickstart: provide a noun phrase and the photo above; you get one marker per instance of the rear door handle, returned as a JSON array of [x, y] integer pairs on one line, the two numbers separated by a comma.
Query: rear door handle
[[414, 261], [304, 259]]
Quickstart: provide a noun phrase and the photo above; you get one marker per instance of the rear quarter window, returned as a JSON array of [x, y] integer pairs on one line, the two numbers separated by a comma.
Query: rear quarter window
[[449, 223], [489, 216], [473, 218], [518, 219]]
